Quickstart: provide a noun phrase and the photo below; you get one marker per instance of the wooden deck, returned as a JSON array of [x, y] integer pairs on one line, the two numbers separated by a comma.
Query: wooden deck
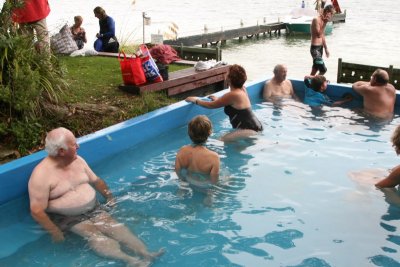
[[222, 36], [183, 82]]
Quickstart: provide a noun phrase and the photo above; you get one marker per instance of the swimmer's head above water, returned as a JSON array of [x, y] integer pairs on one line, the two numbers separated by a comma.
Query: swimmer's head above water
[[199, 129]]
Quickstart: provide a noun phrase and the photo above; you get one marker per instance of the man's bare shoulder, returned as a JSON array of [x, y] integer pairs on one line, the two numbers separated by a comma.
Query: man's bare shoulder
[[41, 173], [288, 83], [390, 87]]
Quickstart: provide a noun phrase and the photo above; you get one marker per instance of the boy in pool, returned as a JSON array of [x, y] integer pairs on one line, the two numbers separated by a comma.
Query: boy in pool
[[315, 92], [195, 163]]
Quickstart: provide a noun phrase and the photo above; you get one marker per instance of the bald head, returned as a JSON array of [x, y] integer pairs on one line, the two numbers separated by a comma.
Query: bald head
[[280, 72], [381, 77], [56, 139]]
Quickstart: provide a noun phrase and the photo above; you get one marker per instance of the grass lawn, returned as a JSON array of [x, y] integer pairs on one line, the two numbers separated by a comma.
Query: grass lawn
[[94, 81]]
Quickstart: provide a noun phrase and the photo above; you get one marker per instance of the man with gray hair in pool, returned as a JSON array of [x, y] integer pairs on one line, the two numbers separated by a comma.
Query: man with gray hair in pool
[[278, 86], [379, 96], [62, 193]]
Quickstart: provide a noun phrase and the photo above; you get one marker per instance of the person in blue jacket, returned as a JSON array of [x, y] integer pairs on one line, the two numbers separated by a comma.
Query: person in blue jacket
[[106, 40], [315, 87]]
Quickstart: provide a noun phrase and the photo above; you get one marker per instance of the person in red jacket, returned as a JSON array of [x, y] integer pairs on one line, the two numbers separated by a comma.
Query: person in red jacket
[[31, 17]]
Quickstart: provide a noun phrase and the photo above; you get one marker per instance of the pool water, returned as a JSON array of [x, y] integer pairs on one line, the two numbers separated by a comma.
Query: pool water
[[288, 201]]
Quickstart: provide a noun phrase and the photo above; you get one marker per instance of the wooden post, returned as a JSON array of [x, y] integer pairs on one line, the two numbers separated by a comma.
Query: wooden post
[[181, 52], [219, 53], [390, 72], [339, 71]]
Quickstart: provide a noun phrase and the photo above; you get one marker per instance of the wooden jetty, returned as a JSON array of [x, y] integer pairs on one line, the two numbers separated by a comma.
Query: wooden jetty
[[339, 17], [223, 35]]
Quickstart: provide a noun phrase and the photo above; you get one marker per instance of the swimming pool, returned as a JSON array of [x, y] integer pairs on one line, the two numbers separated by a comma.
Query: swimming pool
[[288, 202]]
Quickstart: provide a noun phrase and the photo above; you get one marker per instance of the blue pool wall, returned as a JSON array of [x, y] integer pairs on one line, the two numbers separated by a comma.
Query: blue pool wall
[[114, 139]]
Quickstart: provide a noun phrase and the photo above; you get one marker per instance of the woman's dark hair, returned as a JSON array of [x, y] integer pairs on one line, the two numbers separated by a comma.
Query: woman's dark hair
[[237, 76]]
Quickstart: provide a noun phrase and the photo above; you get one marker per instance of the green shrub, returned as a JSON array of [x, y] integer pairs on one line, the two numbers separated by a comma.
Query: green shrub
[[29, 81]]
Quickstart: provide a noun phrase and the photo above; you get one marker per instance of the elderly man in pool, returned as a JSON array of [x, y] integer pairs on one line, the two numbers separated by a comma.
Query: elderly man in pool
[[62, 198], [379, 96], [278, 86]]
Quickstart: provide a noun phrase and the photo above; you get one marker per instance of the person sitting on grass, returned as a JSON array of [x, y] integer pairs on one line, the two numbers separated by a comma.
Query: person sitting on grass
[[78, 32], [194, 163], [315, 92]]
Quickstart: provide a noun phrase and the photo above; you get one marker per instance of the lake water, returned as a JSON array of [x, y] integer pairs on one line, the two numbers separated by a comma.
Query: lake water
[[369, 35]]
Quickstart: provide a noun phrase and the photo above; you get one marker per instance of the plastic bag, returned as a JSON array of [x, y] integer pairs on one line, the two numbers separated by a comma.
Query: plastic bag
[[149, 66], [131, 70]]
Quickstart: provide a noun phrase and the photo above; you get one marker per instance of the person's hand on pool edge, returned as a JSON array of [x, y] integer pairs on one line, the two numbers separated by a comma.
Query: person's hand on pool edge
[[212, 97], [192, 99]]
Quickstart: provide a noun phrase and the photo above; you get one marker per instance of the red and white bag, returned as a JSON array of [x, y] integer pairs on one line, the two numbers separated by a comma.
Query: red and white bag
[[149, 65]]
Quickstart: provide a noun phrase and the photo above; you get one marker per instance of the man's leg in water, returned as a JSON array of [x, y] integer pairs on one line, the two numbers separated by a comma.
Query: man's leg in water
[[104, 245], [118, 231]]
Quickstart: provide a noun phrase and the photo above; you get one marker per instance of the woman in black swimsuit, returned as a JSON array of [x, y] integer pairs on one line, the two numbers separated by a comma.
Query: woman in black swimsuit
[[236, 102]]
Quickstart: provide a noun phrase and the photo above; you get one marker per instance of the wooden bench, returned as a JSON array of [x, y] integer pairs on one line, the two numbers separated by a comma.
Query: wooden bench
[[183, 82], [351, 73], [182, 61]]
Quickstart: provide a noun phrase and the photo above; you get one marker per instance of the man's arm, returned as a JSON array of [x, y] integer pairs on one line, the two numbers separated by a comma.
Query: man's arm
[[39, 190], [97, 182], [360, 87], [267, 92], [103, 189]]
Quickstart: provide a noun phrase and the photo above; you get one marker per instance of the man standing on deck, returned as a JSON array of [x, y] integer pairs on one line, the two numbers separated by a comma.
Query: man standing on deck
[[318, 43], [62, 193], [379, 96]]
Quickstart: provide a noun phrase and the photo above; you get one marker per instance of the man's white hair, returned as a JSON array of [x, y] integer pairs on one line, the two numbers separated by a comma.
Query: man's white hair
[[55, 140]]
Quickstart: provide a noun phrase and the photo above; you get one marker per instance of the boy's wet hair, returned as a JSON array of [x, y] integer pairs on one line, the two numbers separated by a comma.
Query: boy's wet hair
[[199, 129], [317, 81]]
